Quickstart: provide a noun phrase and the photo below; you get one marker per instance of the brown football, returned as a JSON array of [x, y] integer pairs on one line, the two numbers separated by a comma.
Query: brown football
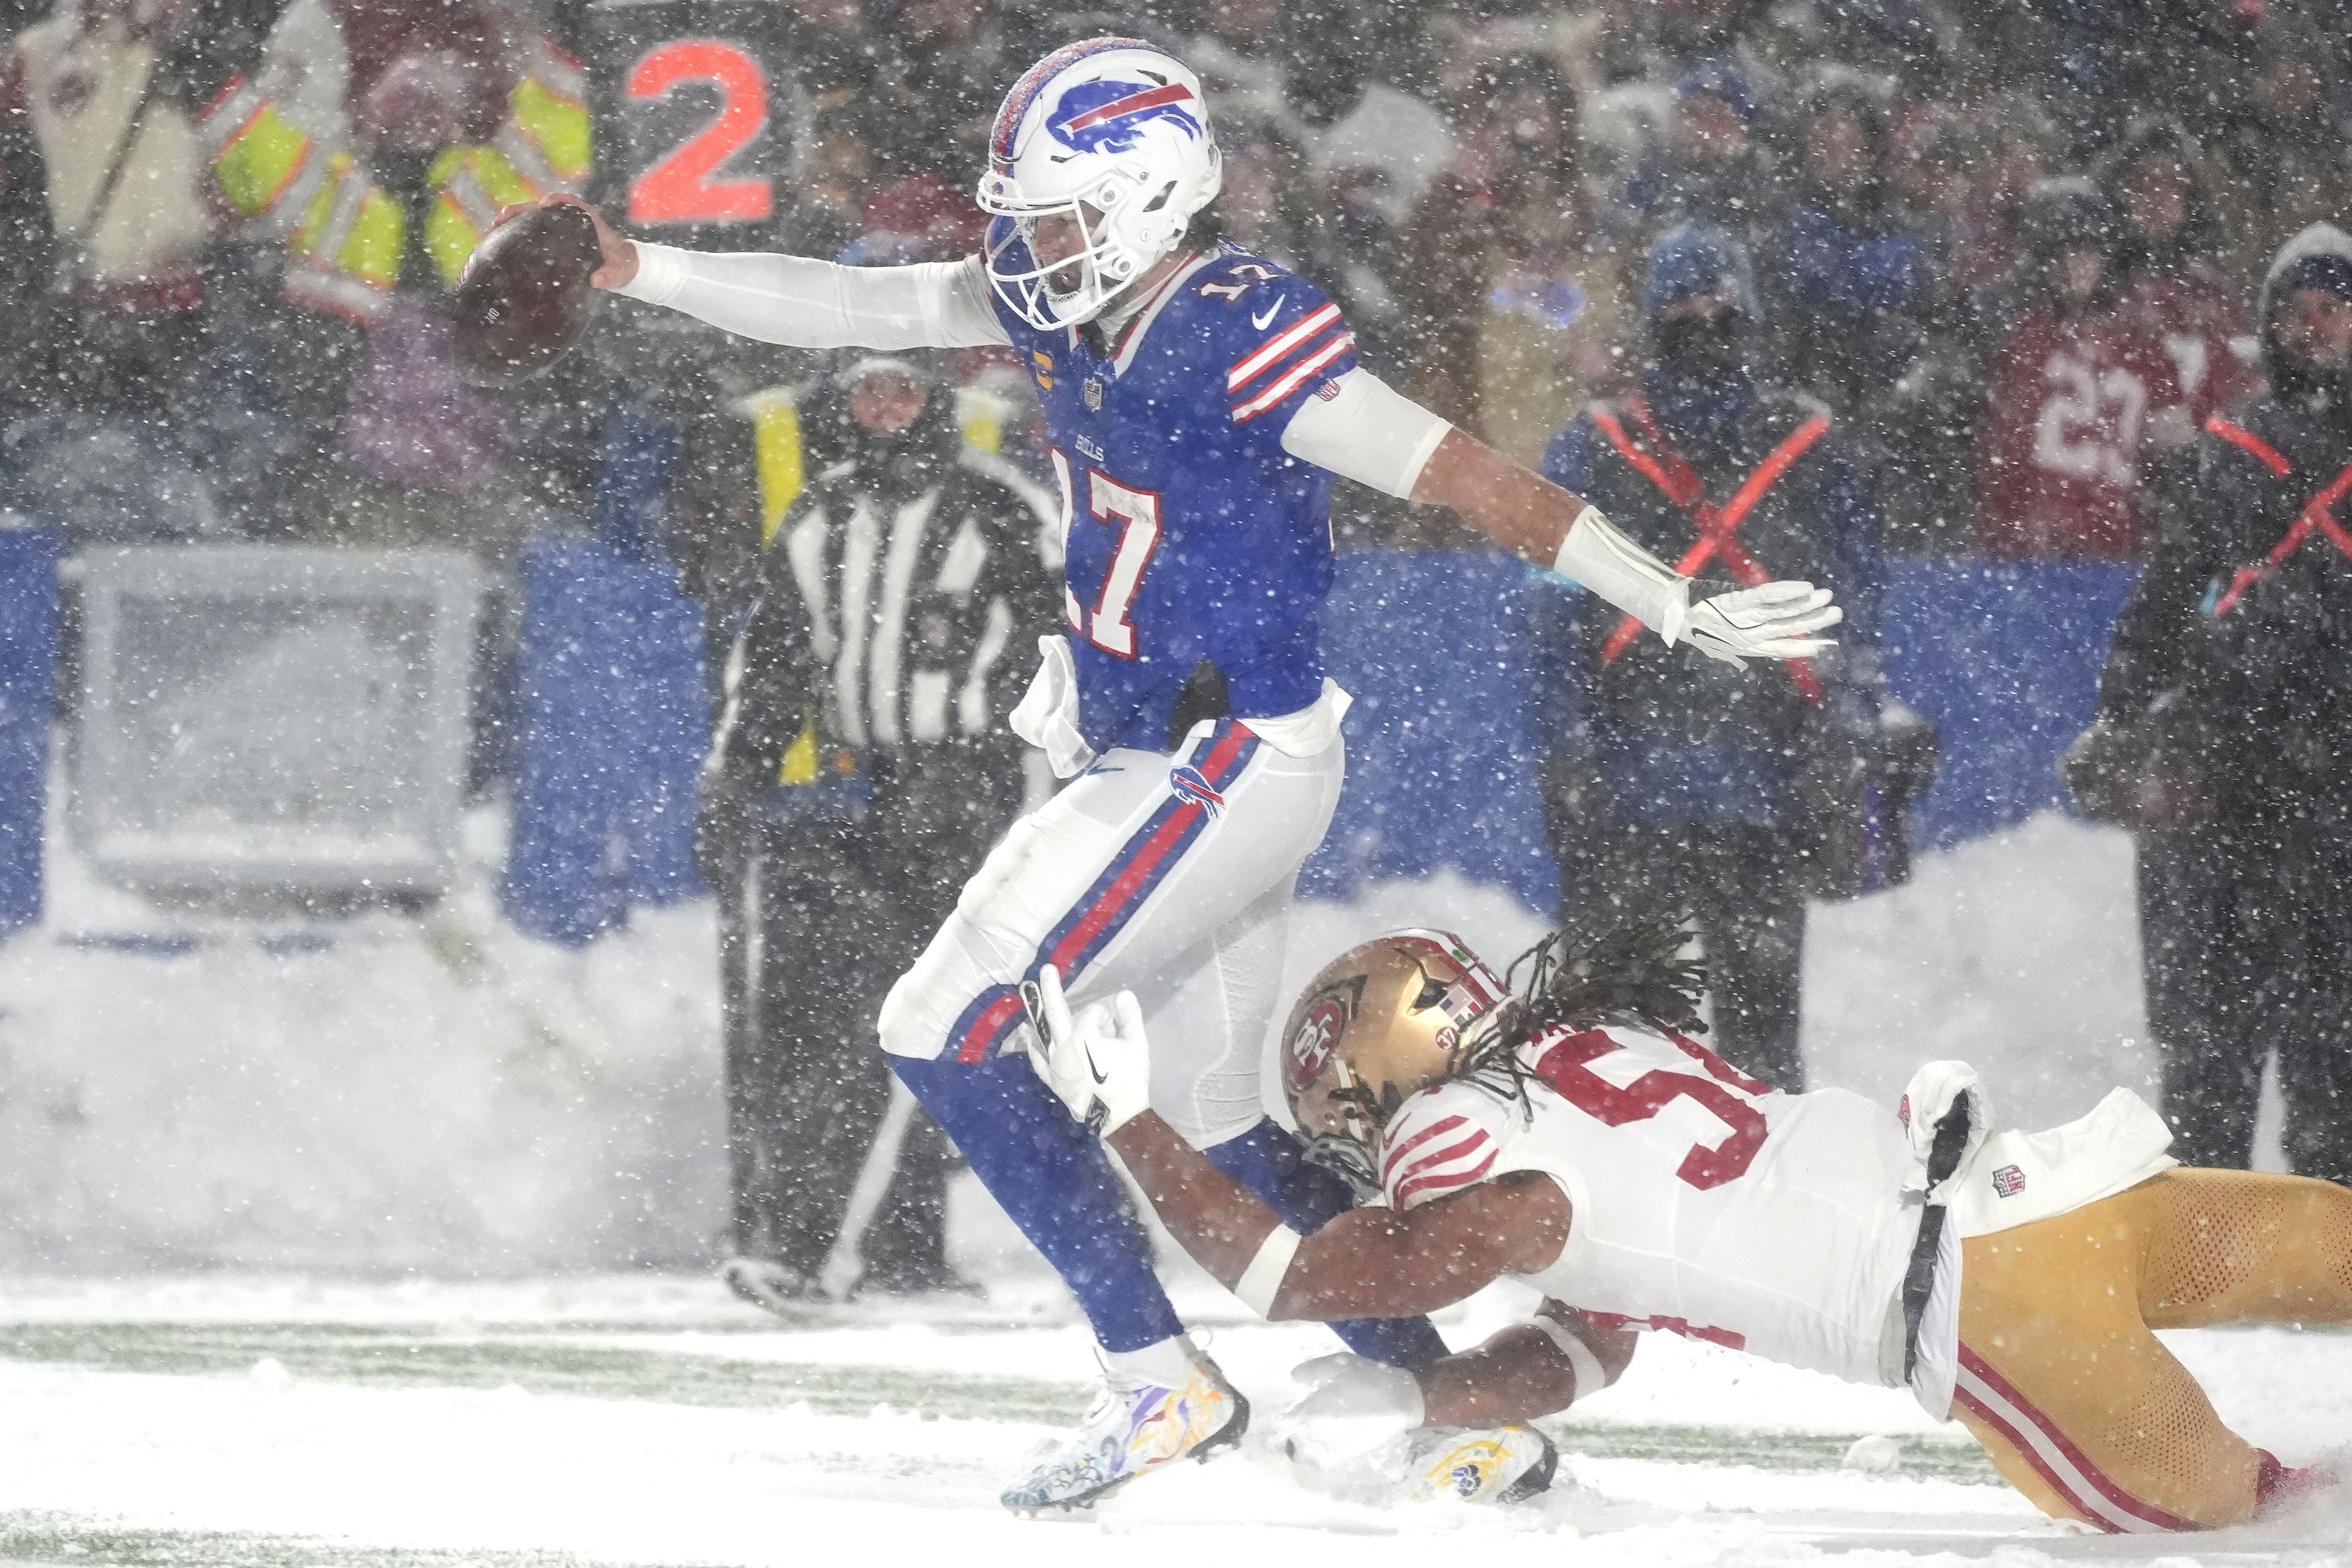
[[525, 297]]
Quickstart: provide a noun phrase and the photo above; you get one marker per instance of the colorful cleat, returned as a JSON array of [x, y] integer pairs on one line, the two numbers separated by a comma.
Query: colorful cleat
[[1478, 1464], [1138, 1425]]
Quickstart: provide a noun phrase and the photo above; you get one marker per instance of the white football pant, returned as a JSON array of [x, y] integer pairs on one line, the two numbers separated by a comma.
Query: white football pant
[[1166, 874]]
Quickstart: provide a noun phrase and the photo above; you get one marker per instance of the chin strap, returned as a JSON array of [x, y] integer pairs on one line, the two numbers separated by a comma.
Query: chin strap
[[1595, 554]]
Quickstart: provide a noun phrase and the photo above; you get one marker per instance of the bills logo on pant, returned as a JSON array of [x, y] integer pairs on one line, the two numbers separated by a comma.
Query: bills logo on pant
[[1186, 783]]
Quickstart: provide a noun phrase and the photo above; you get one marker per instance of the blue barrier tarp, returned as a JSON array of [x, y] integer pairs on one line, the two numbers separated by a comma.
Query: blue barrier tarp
[[1441, 651], [1440, 768], [610, 701], [28, 657], [2003, 658]]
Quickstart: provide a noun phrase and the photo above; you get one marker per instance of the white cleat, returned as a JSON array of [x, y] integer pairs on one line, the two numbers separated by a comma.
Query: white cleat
[[1478, 1464], [1468, 1464], [1138, 1425]]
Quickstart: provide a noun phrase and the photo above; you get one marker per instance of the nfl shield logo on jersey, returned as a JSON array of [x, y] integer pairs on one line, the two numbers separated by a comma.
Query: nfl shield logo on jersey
[[1186, 783], [2008, 1181], [1094, 395]]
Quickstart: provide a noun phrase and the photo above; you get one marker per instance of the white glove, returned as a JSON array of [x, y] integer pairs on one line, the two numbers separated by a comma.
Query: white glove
[[1772, 620], [1352, 1406], [1930, 1097], [1098, 1060], [1048, 714]]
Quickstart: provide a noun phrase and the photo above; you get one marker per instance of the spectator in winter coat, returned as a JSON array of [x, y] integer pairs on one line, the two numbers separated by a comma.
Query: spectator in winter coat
[[1682, 782], [102, 207], [1517, 306], [2224, 732], [1852, 284], [861, 770], [2010, 146], [2167, 233], [2283, 160], [1716, 169], [2067, 433]]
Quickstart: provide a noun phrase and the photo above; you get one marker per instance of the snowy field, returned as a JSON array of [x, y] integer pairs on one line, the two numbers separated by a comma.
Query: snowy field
[[647, 1420], [382, 1242]]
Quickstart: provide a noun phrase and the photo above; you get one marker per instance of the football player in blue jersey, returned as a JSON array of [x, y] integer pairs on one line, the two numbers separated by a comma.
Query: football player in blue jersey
[[1199, 400]]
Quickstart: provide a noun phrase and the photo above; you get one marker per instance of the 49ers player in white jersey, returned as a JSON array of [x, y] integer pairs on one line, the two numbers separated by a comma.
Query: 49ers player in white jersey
[[1576, 1136]]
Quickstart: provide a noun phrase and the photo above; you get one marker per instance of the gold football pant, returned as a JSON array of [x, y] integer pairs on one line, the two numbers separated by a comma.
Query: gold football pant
[[2078, 1404]]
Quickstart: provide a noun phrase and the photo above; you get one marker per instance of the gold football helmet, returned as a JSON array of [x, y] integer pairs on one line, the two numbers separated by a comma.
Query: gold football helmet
[[1381, 1022]]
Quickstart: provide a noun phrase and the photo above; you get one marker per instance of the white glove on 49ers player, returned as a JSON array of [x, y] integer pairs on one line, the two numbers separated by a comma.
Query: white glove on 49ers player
[[1096, 1060], [1352, 1406], [1932, 1095]]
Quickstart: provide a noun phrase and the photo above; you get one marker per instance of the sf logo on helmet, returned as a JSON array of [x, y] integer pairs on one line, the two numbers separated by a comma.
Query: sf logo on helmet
[[1310, 1047], [1105, 116]]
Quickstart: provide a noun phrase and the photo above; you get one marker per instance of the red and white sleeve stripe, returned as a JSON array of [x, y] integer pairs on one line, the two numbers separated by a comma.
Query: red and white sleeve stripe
[[1450, 1152], [1289, 358]]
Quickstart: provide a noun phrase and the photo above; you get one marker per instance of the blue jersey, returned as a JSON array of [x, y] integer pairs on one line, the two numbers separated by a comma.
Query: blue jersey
[[1191, 535]]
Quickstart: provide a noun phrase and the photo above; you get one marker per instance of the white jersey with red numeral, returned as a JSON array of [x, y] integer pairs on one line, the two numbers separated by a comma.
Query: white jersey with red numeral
[[1704, 1202]]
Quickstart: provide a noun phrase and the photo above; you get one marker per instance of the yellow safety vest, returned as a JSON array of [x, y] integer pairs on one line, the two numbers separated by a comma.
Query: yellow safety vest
[[344, 236], [544, 145]]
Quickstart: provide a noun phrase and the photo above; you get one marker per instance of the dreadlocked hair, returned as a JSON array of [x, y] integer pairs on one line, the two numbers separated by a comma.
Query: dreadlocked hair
[[1635, 968]]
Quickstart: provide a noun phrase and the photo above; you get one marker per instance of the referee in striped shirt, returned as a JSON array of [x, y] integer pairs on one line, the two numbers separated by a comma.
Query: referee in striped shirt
[[861, 770]]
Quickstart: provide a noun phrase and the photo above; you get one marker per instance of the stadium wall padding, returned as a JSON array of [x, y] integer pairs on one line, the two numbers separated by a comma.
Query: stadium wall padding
[[28, 660], [1450, 658], [609, 703]]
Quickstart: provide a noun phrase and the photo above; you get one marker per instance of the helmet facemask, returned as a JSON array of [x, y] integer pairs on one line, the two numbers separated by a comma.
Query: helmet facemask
[[1106, 260], [1112, 137], [1379, 1024]]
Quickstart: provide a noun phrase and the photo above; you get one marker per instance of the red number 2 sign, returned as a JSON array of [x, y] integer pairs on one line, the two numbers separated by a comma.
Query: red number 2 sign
[[680, 188]]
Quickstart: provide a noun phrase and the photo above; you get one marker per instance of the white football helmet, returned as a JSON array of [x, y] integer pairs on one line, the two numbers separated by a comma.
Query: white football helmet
[[1110, 132]]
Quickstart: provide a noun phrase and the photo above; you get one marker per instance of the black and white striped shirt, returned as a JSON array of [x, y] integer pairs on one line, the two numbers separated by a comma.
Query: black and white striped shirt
[[899, 603]]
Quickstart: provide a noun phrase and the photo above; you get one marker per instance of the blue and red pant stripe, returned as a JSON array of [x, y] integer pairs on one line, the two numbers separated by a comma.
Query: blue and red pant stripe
[[1142, 863]]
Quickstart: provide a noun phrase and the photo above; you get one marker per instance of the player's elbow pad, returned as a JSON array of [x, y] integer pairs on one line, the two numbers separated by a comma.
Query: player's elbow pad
[[1366, 431]]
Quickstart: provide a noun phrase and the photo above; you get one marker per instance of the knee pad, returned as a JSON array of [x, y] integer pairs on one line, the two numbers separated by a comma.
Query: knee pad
[[925, 1001]]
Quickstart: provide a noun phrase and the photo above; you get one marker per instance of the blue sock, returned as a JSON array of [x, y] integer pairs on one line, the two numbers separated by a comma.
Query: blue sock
[[1057, 1182], [1271, 1163]]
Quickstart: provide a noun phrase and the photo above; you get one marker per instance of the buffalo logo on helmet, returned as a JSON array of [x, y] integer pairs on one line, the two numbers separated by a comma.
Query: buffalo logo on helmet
[[1108, 116], [1186, 783], [1310, 1045]]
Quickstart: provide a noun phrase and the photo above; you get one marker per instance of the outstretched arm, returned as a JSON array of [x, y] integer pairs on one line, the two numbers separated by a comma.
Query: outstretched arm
[[1527, 1370], [1367, 1263], [1369, 433], [797, 300]]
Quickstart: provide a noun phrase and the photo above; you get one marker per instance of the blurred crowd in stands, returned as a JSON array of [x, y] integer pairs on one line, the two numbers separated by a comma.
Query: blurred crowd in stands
[[2013, 245]]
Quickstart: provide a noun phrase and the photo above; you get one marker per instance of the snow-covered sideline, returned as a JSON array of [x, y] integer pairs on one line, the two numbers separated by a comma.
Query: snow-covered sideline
[[228, 1464], [387, 1093], [439, 1094]]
